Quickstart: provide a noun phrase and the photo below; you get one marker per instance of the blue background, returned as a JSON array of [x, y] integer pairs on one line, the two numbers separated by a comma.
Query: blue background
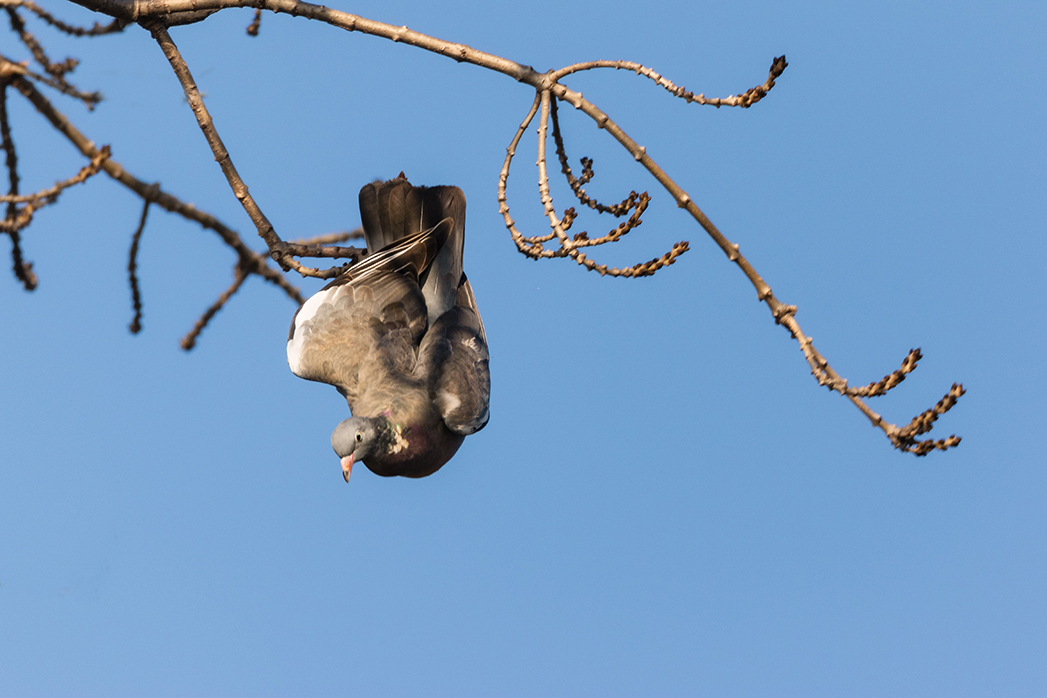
[[664, 501]]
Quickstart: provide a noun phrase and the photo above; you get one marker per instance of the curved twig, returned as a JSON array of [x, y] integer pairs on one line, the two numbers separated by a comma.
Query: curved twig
[[743, 100], [576, 183]]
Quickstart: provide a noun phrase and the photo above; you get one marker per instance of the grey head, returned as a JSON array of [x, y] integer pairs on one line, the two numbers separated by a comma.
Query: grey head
[[358, 438]]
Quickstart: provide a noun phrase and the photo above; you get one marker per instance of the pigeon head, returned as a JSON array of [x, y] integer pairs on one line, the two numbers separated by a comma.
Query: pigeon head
[[356, 439]]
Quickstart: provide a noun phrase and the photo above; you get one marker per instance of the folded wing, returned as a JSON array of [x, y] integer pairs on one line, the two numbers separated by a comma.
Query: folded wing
[[455, 361], [369, 319]]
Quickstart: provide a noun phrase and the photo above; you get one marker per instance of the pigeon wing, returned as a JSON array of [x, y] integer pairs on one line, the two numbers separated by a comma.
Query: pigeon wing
[[455, 362], [369, 320]]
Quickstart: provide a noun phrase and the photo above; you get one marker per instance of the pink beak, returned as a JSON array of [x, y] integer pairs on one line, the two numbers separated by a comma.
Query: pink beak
[[347, 466]]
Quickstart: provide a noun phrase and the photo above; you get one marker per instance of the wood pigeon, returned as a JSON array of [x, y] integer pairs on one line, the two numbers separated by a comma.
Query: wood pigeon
[[399, 335]]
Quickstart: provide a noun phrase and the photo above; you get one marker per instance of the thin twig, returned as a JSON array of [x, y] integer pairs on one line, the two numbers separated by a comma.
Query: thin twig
[[90, 99], [619, 209], [640, 205], [891, 380], [117, 25], [543, 175], [11, 157], [50, 195], [332, 238], [280, 251], [257, 263], [531, 248], [56, 71], [744, 100], [189, 341], [132, 266], [13, 220], [569, 247], [256, 24]]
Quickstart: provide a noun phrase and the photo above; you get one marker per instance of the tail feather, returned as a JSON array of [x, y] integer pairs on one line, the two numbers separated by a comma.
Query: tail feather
[[396, 209]]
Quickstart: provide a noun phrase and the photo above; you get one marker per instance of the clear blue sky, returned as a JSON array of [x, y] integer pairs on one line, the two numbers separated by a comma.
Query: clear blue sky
[[664, 502]]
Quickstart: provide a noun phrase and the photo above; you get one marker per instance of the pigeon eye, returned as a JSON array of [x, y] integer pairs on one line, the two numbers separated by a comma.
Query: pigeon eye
[[359, 437]]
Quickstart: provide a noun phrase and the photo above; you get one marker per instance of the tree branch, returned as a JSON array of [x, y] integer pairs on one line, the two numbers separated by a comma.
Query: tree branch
[[257, 263], [132, 270], [239, 276], [157, 14]]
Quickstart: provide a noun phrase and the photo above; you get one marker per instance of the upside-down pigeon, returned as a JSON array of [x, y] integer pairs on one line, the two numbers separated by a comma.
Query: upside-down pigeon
[[399, 335]]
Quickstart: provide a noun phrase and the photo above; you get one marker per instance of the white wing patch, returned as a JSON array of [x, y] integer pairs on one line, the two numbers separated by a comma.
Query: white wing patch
[[296, 343], [447, 402]]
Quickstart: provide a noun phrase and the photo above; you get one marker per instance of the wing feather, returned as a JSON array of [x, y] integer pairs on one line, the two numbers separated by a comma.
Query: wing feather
[[455, 361], [367, 320]]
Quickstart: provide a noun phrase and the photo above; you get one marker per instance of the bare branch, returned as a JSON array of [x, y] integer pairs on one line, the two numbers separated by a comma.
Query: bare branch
[[639, 206], [280, 251], [189, 341], [256, 24], [322, 246], [13, 220], [57, 71], [783, 314], [11, 157], [132, 265], [533, 247], [332, 238], [923, 422], [891, 380], [744, 100], [117, 25], [619, 209], [255, 262], [23, 269], [11, 68], [529, 247], [143, 10], [548, 89], [203, 118], [50, 195], [543, 175]]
